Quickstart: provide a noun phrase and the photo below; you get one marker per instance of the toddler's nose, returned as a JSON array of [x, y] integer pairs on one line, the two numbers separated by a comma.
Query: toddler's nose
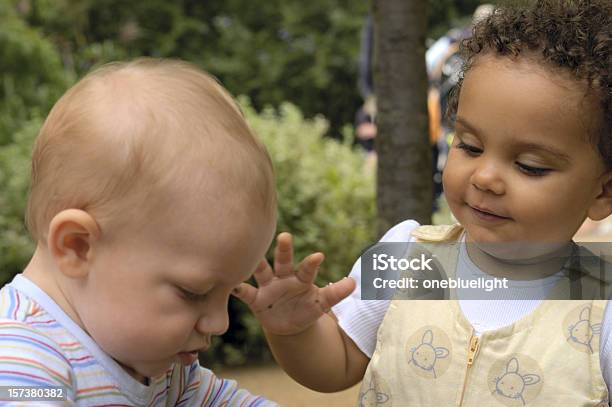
[[487, 178]]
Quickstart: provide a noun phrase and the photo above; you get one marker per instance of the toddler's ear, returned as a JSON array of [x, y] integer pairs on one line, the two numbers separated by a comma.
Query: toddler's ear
[[602, 205], [71, 233]]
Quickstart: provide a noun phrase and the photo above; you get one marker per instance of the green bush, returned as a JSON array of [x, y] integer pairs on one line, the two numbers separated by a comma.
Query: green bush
[[15, 244], [32, 75], [326, 198]]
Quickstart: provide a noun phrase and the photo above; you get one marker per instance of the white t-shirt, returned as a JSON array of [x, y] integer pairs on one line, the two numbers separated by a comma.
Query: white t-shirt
[[361, 319]]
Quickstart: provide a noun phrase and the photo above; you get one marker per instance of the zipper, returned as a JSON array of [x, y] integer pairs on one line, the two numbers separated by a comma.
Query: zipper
[[472, 351]]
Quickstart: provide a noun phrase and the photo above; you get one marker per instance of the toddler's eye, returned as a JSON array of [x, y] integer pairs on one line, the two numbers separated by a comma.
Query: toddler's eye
[[469, 149], [533, 171]]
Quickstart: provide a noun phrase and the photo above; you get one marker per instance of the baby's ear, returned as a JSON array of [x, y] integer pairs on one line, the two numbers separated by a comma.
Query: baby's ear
[[602, 205], [71, 233]]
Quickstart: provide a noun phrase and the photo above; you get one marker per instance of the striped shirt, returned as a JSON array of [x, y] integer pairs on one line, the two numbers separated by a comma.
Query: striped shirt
[[41, 346]]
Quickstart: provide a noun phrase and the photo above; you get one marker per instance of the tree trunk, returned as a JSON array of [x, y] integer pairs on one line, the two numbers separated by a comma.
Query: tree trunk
[[404, 171]]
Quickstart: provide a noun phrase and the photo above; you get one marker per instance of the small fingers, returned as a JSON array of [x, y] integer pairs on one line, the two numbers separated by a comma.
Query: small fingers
[[336, 292], [263, 274], [283, 255], [308, 268], [245, 293]]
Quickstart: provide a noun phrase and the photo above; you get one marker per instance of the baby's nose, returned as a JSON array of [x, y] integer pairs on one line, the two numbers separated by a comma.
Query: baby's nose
[[213, 323]]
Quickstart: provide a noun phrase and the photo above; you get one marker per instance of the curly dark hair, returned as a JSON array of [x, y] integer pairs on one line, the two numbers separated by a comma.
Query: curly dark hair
[[571, 35]]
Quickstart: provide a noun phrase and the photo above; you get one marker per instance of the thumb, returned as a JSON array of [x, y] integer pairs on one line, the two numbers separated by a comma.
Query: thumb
[[245, 293], [336, 292]]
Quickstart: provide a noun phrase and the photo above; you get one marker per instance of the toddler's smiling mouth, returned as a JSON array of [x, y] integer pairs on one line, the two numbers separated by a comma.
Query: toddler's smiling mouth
[[487, 214]]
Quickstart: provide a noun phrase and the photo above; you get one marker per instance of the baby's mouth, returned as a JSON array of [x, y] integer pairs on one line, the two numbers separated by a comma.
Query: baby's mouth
[[187, 358]]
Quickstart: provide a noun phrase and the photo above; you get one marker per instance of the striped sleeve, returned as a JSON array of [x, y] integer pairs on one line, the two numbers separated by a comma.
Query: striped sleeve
[[30, 358], [204, 389]]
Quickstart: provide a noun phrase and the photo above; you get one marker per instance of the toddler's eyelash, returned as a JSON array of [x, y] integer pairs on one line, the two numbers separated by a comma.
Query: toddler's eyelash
[[533, 171], [469, 149], [526, 169]]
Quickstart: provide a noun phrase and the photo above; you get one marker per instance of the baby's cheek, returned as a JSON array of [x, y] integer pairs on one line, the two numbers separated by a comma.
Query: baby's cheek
[[117, 343], [144, 339]]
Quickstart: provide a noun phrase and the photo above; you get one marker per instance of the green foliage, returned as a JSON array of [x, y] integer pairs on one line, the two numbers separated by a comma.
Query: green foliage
[[32, 78], [32, 75], [15, 245], [445, 14], [326, 198], [272, 51]]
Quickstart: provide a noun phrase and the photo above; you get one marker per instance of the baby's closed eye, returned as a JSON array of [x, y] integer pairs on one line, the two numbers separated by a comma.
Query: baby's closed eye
[[190, 295]]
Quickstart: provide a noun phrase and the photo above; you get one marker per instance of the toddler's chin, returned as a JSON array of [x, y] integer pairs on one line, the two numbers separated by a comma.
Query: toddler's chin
[[522, 252]]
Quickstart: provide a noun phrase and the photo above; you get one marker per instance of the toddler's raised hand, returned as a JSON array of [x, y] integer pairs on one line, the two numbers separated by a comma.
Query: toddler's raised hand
[[286, 302]]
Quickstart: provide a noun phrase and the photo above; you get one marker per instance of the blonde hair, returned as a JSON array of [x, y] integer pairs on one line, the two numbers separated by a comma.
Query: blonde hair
[[128, 130]]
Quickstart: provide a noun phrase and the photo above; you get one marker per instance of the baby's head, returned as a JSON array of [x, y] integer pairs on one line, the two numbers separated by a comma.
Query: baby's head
[[532, 152], [130, 136], [151, 200]]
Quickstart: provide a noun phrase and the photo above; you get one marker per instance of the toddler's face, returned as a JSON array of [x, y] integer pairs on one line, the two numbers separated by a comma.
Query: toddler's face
[[520, 166], [158, 292]]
